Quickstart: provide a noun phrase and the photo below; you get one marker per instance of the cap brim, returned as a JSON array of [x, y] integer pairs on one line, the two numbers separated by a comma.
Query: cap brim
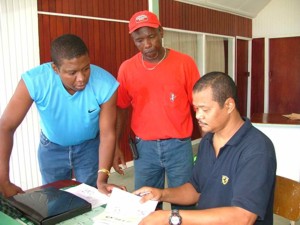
[[143, 25]]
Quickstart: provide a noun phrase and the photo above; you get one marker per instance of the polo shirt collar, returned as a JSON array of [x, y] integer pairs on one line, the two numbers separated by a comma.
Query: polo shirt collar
[[236, 138]]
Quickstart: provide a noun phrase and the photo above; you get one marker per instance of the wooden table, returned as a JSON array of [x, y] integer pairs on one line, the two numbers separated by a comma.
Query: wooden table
[[272, 118]]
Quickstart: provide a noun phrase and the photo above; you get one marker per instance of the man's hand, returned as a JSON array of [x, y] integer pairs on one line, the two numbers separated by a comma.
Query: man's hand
[[9, 189], [106, 188], [119, 159], [149, 193]]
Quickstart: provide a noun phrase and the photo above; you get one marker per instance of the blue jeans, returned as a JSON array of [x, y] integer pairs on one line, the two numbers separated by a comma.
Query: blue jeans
[[57, 162], [172, 158]]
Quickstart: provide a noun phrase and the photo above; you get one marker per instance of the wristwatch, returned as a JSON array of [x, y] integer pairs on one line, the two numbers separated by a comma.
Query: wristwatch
[[175, 218]]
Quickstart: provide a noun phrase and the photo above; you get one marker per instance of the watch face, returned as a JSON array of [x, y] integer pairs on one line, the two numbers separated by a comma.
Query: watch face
[[175, 220]]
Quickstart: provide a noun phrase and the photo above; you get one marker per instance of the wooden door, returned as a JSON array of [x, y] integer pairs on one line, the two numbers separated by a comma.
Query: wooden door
[[284, 75], [242, 75], [257, 76]]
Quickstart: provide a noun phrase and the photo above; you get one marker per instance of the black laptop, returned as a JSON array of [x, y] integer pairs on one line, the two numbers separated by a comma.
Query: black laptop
[[49, 205]]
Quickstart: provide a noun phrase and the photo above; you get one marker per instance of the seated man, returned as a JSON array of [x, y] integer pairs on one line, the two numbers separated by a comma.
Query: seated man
[[234, 176]]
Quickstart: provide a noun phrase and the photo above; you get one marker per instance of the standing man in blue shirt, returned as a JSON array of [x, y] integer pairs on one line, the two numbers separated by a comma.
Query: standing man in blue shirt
[[76, 102], [234, 176]]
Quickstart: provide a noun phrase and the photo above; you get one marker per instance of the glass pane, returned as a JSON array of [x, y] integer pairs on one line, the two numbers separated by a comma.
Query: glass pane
[[216, 54], [182, 42]]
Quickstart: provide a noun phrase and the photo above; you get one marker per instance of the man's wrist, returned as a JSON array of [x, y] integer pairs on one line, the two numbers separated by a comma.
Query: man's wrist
[[102, 178], [175, 218]]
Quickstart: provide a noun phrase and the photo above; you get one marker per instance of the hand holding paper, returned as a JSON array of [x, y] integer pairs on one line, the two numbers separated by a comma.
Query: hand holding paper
[[124, 208]]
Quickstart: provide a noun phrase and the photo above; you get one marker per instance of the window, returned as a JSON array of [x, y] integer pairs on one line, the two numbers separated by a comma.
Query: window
[[210, 52]]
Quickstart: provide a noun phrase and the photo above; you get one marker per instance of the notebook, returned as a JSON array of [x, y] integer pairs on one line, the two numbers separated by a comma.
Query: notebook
[[49, 205]]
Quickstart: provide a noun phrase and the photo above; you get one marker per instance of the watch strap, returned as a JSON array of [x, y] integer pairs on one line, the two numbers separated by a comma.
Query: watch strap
[[175, 218]]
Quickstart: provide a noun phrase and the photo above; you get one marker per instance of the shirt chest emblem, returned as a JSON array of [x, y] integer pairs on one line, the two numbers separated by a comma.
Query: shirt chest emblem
[[225, 179]]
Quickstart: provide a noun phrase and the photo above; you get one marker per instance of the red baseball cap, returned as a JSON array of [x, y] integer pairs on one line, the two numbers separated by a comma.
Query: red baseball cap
[[143, 19]]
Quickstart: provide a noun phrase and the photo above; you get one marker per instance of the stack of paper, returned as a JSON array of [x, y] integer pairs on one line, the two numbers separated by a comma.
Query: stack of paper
[[124, 208], [90, 194]]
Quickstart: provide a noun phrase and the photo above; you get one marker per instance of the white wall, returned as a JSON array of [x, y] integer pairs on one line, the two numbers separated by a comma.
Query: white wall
[[286, 142], [280, 18], [19, 51]]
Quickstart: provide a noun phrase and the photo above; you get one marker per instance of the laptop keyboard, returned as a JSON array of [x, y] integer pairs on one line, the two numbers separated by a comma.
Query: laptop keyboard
[[8, 209]]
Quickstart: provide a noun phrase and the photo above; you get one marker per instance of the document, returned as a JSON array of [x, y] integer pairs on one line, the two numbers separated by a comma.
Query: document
[[90, 194], [124, 208], [293, 116]]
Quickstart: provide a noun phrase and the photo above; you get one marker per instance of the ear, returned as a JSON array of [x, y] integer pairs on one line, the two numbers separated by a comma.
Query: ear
[[161, 31], [230, 105], [55, 68]]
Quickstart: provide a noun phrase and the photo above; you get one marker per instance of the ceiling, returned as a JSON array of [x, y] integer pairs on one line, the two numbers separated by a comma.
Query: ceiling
[[246, 8]]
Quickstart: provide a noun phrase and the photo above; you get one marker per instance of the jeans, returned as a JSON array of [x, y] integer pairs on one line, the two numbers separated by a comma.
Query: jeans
[[172, 158], [58, 162]]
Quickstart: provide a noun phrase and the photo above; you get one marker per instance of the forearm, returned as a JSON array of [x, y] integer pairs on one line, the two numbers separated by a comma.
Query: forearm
[[122, 118], [106, 153], [6, 144], [218, 216], [183, 195], [215, 216], [7, 188]]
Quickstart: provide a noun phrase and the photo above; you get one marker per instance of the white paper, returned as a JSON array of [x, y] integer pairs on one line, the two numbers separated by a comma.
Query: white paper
[[124, 208], [90, 194]]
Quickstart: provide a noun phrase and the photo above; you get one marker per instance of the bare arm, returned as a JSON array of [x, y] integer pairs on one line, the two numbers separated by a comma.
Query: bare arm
[[214, 216], [107, 126], [12, 117], [187, 195], [182, 195], [122, 118]]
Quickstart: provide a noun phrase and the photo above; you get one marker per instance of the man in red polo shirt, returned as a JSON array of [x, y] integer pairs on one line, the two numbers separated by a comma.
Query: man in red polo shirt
[[157, 82]]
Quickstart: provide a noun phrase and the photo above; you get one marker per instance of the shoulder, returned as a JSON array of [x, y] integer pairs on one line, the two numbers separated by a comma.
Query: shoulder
[[128, 63], [100, 74], [45, 68], [180, 55], [183, 59], [254, 140], [100, 77], [97, 70], [38, 74], [253, 131]]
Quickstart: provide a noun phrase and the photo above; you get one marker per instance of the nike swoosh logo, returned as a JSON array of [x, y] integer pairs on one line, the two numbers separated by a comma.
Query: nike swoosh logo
[[91, 110]]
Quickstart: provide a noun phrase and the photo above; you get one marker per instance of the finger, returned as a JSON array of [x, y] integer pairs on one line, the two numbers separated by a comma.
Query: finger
[[120, 171], [124, 188], [140, 191]]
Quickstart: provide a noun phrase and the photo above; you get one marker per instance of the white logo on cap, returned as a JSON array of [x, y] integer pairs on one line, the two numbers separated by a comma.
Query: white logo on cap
[[141, 18]]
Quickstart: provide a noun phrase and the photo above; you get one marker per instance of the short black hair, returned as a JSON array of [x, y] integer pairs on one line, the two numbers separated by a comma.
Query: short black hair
[[222, 85], [67, 46]]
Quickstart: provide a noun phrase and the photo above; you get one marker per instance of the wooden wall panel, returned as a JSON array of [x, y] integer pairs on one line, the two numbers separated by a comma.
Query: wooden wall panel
[[257, 73], [183, 16], [111, 9], [107, 41]]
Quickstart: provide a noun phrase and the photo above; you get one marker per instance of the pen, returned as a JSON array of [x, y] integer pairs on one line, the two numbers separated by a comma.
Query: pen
[[143, 193]]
